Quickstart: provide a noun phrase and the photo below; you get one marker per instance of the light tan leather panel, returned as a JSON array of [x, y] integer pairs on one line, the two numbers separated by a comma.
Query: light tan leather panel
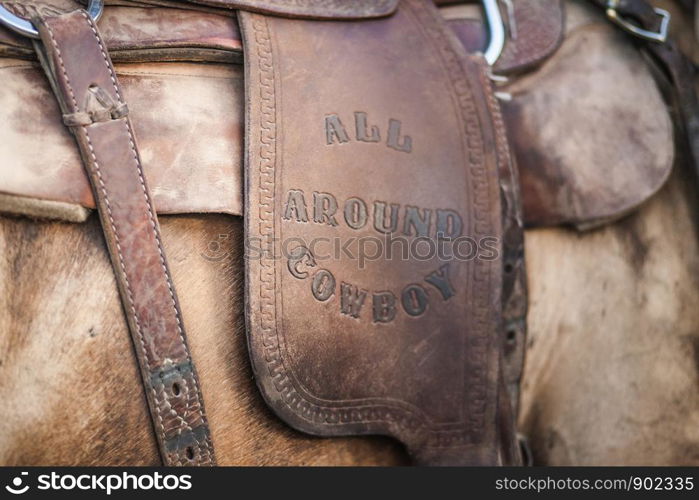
[[188, 120]]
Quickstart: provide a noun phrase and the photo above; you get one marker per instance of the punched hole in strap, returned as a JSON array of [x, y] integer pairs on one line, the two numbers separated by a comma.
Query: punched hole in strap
[[99, 107]]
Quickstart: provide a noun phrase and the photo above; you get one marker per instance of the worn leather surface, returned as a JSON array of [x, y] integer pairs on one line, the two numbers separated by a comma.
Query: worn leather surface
[[189, 121], [587, 152], [592, 162], [514, 288], [535, 30], [678, 69], [86, 87], [174, 106], [411, 348]]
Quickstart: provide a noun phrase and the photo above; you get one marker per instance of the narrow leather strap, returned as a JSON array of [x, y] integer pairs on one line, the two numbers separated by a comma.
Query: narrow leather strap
[[81, 74], [681, 73]]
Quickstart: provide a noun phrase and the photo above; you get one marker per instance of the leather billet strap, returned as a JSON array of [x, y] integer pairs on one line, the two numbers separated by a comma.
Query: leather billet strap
[[357, 133], [81, 74]]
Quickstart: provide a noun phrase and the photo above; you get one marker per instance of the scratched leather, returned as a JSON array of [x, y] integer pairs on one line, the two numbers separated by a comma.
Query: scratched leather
[[319, 128], [587, 152], [178, 410], [189, 123], [77, 64], [124, 183]]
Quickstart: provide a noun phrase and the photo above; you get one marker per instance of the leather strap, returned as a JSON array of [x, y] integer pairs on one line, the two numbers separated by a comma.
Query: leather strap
[[681, 73], [82, 77]]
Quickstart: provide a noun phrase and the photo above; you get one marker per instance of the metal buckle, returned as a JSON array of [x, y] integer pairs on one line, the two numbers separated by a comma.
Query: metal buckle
[[27, 28], [496, 29], [660, 36]]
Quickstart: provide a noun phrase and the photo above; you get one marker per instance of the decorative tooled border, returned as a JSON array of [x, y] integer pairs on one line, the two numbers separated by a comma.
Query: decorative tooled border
[[480, 288], [388, 412]]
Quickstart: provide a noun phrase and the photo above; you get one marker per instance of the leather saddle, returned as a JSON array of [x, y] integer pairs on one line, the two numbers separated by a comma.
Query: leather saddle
[[385, 155]]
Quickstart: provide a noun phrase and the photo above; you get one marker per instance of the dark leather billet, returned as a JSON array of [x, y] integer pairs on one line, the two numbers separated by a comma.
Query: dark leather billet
[[83, 79], [355, 130]]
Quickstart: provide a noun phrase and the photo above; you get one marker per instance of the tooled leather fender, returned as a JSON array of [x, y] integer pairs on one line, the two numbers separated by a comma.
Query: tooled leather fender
[[376, 132]]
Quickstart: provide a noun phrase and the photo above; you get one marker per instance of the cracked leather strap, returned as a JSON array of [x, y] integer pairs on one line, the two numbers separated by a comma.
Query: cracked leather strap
[[376, 131], [81, 74]]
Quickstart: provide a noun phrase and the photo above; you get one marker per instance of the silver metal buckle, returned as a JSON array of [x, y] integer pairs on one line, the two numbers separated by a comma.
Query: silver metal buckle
[[496, 30], [27, 28], [660, 36]]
